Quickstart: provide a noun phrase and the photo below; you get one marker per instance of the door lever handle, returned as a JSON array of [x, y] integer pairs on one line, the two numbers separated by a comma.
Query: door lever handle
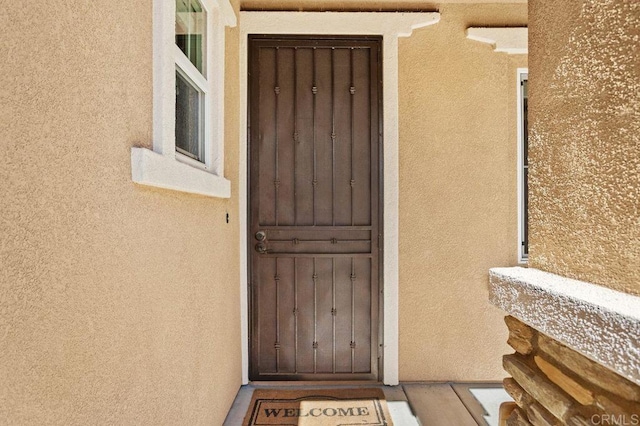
[[262, 248]]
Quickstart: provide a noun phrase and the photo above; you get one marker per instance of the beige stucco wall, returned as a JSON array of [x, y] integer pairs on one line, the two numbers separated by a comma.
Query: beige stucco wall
[[118, 303], [585, 140], [458, 193]]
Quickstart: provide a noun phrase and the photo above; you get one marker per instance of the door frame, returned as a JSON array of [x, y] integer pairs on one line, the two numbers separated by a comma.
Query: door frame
[[374, 75], [390, 26]]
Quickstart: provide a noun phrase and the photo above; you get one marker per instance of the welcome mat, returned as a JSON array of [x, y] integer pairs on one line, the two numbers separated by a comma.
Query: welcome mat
[[318, 407]]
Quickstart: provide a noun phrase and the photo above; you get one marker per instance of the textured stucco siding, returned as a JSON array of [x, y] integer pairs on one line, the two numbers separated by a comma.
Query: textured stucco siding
[[458, 193], [585, 140], [118, 303]]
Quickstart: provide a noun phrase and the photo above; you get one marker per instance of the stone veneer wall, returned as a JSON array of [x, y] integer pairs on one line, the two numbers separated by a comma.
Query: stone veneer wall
[[555, 385]]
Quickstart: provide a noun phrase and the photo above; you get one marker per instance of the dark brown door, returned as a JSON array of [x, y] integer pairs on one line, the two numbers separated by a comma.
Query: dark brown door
[[314, 210]]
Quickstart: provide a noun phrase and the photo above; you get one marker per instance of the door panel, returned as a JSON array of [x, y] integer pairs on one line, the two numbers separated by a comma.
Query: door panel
[[314, 208]]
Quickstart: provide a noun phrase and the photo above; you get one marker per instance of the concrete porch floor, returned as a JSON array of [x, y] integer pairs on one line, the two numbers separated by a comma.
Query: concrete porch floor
[[412, 404]]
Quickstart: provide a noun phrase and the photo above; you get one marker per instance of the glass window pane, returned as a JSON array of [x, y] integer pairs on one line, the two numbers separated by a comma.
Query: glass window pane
[[189, 102], [525, 121], [191, 27]]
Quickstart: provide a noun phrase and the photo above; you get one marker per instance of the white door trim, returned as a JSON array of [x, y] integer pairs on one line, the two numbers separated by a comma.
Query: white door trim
[[390, 26]]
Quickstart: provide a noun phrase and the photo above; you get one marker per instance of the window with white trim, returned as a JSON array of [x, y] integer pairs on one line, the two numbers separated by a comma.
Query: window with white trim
[[188, 99], [192, 85], [523, 166]]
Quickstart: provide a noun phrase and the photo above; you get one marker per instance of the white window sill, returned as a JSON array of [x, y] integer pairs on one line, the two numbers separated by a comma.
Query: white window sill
[[600, 323], [153, 169]]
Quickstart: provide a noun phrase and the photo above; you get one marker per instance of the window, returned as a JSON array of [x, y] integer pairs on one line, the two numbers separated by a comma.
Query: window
[[189, 112], [523, 166], [192, 83], [188, 99]]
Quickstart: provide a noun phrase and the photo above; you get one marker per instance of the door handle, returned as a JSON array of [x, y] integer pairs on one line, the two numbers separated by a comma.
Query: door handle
[[262, 248]]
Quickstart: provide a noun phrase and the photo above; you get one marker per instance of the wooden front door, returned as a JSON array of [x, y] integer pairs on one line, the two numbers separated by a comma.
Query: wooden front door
[[314, 208]]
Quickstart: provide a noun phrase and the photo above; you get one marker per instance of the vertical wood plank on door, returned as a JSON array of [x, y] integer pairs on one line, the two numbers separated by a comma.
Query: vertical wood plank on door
[[286, 315], [304, 169], [343, 315], [305, 315], [342, 82], [362, 323], [324, 335], [362, 138], [285, 137], [267, 314], [266, 137], [324, 195]]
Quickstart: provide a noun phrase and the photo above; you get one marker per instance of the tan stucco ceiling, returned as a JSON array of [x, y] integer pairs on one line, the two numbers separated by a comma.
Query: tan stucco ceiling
[[386, 5]]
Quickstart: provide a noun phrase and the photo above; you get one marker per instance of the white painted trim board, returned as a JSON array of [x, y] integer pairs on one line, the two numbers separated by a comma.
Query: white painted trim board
[[510, 40]]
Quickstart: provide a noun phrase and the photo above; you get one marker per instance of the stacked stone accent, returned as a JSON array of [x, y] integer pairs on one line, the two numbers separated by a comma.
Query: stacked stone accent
[[555, 385]]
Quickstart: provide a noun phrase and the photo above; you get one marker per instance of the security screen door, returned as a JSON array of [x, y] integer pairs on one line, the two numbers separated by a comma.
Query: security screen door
[[314, 229]]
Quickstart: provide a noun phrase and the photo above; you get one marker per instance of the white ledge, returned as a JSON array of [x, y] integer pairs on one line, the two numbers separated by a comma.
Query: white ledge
[[598, 322], [512, 40], [164, 171], [400, 24]]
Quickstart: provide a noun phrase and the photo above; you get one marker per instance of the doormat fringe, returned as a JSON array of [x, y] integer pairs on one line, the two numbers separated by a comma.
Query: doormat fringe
[[318, 407]]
